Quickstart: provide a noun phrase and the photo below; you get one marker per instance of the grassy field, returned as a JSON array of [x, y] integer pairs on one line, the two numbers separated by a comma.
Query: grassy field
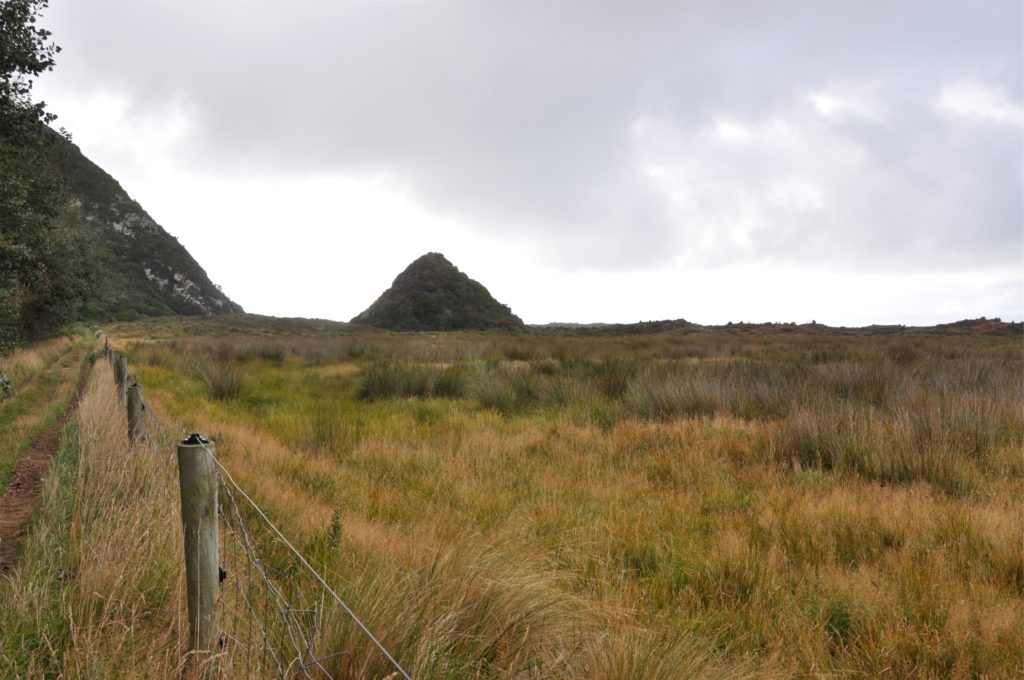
[[42, 381], [94, 594], [810, 505], [661, 506]]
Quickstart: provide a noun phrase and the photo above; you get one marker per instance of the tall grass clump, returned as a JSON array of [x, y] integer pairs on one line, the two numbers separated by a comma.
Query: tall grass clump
[[948, 445], [326, 429], [400, 379], [468, 612], [509, 392], [123, 583], [221, 379], [743, 389], [96, 593]]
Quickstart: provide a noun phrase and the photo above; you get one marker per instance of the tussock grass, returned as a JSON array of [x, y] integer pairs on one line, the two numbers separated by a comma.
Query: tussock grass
[[96, 593], [896, 421], [222, 379], [25, 362], [470, 613], [126, 614], [603, 507], [390, 379], [37, 402]]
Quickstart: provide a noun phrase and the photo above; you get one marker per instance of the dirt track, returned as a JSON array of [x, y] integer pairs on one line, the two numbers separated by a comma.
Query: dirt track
[[27, 479]]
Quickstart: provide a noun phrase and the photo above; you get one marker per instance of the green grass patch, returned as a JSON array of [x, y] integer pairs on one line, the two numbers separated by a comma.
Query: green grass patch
[[33, 614], [14, 440]]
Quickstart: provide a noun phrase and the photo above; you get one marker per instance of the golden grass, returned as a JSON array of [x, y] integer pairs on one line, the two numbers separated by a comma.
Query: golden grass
[[38, 399], [125, 613], [864, 520], [95, 584], [717, 528], [27, 361]]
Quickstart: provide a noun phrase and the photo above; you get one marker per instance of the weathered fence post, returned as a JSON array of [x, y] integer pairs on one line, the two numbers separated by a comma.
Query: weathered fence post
[[121, 377], [136, 406], [106, 346], [197, 474]]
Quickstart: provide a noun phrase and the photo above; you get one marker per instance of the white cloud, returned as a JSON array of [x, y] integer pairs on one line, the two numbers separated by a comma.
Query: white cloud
[[864, 99], [119, 134], [626, 153], [980, 101], [796, 194], [732, 133]]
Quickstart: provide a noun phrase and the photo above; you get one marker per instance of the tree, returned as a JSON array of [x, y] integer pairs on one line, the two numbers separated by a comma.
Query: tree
[[25, 52], [42, 272]]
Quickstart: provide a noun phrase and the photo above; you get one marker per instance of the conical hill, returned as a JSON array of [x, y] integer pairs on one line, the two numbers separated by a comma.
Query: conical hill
[[433, 295]]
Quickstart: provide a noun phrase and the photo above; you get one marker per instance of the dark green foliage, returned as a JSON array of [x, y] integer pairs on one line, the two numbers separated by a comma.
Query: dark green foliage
[[433, 295], [144, 271], [44, 274], [72, 243], [25, 52]]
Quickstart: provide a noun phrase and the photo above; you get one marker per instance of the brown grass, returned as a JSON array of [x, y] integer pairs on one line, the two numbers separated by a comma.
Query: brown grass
[[657, 506]]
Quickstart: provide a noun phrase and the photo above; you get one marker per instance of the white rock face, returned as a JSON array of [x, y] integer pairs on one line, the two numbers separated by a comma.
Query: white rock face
[[132, 223], [161, 283], [129, 222], [186, 289], [142, 251]]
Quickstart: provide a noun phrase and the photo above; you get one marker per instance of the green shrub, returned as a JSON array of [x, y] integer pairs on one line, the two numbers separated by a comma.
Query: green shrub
[[127, 315]]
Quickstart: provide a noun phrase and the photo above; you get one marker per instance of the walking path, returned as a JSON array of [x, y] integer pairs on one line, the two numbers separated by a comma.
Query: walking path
[[27, 480]]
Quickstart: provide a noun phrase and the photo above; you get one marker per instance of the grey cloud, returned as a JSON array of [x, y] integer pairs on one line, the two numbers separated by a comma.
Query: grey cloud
[[518, 117]]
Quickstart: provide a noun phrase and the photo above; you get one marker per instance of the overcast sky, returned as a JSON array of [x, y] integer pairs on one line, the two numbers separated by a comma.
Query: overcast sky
[[851, 162]]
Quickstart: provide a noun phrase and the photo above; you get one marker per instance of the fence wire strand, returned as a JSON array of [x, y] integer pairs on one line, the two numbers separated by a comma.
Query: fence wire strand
[[273, 602]]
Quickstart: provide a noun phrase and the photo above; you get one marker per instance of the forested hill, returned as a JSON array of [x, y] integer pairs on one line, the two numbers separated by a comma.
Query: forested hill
[[141, 269], [433, 295]]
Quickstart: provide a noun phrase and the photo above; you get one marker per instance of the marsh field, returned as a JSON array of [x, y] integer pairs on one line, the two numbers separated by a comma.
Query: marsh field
[[594, 506]]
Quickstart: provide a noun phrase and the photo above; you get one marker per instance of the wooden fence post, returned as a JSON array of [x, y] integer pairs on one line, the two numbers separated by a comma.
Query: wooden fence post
[[136, 422], [121, 377], [197, 475]]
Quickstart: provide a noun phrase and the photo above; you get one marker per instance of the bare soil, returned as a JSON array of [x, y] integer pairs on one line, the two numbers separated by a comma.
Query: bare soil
[[27, 480]]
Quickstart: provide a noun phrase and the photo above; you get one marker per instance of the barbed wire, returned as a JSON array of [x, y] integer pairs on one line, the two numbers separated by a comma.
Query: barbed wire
[[285, 622], [283, 605], [302, 560]]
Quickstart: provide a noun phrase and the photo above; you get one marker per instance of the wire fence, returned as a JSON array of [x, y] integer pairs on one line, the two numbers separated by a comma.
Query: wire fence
[[276, 613]]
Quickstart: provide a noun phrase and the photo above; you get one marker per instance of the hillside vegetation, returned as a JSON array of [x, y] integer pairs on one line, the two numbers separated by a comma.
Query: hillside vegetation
[[73, 244], [433, 295], [88, 251], [653, 506], [141, 270]]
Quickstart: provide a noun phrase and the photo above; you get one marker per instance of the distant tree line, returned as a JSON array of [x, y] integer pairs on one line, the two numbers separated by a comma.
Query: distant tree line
[[44, 259]]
